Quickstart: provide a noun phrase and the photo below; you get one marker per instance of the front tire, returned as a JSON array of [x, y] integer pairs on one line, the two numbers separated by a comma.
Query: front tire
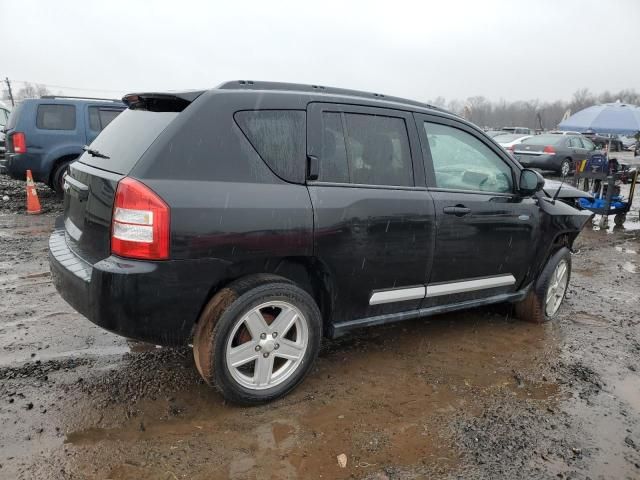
[[257, 339], [544, 299]]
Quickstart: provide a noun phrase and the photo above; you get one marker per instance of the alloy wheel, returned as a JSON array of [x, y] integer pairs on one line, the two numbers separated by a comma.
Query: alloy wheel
[[557, 288], [267, 345]]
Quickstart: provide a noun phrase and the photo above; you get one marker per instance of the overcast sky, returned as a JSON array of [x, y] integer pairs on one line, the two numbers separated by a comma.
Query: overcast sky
[[424, 49]]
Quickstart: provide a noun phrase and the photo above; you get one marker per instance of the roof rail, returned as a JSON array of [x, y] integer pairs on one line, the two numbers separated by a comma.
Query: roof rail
[[300, 87], [81, 98]]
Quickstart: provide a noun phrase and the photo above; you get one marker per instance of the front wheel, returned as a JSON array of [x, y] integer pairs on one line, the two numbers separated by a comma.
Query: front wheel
[[544, 299], [257, 339]]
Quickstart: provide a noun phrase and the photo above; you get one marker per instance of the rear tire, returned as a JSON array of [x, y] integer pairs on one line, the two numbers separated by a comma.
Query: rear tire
[[257, 339], [58, 178], [544, 299]]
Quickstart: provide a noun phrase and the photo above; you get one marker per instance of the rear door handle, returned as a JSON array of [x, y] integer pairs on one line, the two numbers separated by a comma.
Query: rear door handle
[[458, 210]]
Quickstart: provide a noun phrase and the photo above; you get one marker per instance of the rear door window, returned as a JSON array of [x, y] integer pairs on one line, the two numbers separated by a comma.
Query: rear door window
[[56, 117], [279, 137], [365, 149]]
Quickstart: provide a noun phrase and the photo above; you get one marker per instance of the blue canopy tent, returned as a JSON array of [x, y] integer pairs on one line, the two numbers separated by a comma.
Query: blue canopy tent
[[620, 118]]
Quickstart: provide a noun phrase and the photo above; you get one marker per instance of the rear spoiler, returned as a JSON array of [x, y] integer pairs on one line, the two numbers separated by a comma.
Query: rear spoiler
[[161, 102]]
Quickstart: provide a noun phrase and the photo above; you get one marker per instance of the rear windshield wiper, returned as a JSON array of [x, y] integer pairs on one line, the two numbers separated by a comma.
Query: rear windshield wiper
[[94, 153]]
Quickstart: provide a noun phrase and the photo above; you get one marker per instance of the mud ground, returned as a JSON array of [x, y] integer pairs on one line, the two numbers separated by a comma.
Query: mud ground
[[474, 394]]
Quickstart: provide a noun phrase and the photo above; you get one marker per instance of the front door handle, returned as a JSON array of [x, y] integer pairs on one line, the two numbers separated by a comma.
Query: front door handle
[[458, 210]]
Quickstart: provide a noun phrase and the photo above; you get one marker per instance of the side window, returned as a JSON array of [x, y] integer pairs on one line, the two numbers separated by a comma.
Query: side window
[[333, 152], [462, 162], [378, 150], [99, 118], [94, 119], [575, 142], [107, 116], [56, 117], [279, 137], [588, 144]]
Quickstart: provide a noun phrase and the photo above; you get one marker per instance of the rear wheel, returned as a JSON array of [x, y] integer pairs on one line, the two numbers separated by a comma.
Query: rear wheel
[[58, 178], [257, 339], [544, 299]]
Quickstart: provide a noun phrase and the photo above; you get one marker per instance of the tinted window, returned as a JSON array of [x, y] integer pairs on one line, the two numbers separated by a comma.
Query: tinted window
[[378, 150], [279, 137], [333, 153], [463, 162], [56, 117], [99, 118], [128, 137]]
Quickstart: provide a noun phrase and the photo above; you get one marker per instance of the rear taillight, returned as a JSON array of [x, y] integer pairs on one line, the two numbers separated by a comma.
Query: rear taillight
[[511, 148], [140, 224], [19, 142], [549, 149]]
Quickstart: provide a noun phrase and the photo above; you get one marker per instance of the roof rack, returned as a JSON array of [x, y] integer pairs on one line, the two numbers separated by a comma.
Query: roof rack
[[300, 87], [52, 97]]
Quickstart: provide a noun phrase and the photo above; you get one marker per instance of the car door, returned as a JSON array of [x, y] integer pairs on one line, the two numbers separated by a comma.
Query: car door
[[373, 216], [486, 232]]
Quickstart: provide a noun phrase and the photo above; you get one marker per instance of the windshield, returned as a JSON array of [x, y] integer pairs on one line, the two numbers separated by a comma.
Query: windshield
[[544, 140], [126, 138]]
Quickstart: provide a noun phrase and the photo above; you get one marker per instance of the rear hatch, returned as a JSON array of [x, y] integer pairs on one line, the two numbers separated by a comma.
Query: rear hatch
[[90, 185]]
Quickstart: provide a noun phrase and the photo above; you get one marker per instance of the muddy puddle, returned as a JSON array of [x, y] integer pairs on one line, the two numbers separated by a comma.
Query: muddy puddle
[[383, 399]]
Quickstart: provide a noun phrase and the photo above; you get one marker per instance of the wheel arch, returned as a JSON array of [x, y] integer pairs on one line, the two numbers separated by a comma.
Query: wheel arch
[[69, 157], [308, 273]]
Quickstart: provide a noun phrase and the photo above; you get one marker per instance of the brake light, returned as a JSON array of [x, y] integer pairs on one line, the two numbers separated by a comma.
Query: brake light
[[511, 148], [549, 149], [19, 142], [140, 222]]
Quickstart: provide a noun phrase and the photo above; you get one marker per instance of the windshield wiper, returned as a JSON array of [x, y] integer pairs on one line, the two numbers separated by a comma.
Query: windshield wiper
[[94, 153]]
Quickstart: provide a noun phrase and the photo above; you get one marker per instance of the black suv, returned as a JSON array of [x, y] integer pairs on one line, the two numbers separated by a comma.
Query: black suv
[[252, 219]]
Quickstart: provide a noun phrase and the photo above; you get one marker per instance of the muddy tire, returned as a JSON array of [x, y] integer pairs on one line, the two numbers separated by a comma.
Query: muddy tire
[[257, 339], [542, 302]]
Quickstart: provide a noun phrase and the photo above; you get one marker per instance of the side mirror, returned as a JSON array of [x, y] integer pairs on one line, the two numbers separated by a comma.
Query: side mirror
[[530, 182]]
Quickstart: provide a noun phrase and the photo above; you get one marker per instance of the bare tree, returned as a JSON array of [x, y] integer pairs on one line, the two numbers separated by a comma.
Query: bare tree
[[29, 90]]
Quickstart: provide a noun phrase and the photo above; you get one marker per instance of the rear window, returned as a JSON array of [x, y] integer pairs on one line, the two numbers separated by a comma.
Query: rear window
[[56, 117], [544, 140], [129, 136], [279, 137]]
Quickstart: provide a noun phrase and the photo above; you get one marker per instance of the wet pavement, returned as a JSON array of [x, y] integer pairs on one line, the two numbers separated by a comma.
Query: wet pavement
[[474, 394]]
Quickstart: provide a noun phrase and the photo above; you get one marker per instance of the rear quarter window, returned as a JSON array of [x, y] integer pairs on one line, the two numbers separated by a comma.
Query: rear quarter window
[[279, 137], [56, 117], [13, 116]]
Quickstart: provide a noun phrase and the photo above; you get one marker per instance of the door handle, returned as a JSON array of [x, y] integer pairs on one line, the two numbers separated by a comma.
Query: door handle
[[458, 210]]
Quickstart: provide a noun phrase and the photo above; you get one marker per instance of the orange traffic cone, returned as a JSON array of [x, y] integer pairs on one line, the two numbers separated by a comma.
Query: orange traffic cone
[[33, 204]]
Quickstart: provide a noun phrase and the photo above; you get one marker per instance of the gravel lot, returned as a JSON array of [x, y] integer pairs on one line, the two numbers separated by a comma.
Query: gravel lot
[[474, 394]]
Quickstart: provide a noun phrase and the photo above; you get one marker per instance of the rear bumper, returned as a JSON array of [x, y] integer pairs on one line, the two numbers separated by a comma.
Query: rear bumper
[[17, 164], [156, 302], [544, 162]]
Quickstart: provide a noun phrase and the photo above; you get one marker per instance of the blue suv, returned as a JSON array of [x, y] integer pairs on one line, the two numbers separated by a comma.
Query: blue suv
[[46, 134]]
